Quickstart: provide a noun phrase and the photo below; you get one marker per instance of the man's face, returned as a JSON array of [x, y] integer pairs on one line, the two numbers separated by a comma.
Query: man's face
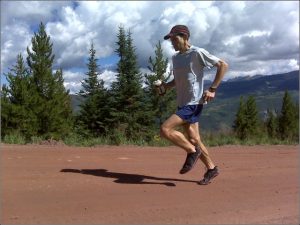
[[177, 42]]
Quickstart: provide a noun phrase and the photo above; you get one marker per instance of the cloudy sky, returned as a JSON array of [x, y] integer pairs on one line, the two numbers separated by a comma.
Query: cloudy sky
[[259, 37]]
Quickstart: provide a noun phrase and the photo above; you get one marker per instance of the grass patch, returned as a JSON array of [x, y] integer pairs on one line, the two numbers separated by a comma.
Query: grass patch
[[14, 138], [229, 138], [209, 139]]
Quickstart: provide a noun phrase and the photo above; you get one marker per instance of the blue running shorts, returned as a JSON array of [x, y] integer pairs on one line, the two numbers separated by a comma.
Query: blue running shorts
[[190, 113]]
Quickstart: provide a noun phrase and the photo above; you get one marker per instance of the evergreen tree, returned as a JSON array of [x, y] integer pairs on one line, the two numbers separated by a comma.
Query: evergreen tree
[[17, 114], [117, 94], [252, 117], [296, 129], [240, 120], [91, 84], [50, 103], [5, 111], [272, 124], [246, 124], [94, 110], [127, 115], [60, 115], [160, 105], [289, 118]]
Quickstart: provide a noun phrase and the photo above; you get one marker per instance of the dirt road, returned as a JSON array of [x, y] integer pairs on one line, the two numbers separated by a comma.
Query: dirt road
[[142, 185]]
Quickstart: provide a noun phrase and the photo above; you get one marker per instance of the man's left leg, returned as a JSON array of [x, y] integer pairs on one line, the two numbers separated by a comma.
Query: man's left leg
[[193, 133]]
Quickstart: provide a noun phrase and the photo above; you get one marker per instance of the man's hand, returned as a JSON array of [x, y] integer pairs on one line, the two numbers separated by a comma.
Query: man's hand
[[208, 95], [160, 87]]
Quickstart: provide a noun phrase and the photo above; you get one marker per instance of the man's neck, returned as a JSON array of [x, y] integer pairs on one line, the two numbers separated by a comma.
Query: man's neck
[[185, 48]]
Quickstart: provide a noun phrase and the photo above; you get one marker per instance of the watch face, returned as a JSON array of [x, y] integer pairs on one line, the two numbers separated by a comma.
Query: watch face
[[211, 89]]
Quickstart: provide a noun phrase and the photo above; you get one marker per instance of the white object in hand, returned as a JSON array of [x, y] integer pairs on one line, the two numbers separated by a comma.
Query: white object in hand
[[157, 83], [202, 101], [160, 88]]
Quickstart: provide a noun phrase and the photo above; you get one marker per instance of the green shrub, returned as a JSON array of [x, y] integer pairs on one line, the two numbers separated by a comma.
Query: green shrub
[[14, 138], [36, 140]]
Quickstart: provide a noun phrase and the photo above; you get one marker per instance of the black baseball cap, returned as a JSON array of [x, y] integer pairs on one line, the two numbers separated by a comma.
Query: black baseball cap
[[178, 29]]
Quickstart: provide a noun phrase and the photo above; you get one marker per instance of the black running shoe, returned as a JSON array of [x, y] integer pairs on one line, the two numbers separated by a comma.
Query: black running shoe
[[209, 175], [190, 161]]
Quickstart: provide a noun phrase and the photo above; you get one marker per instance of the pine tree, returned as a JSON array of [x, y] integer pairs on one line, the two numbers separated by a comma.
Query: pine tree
[[91, 84], [5, 111], [60, 115], [246, 124], [117, 99], [17, 114], [272, 123], [160, 105], [94, 110], [126, 101], [51, 103], [288, 119], [296, 129], [252, 117], [240, 120]]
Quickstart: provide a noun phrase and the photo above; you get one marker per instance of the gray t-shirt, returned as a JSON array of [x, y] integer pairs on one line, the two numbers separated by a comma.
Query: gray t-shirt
[[188, 74]]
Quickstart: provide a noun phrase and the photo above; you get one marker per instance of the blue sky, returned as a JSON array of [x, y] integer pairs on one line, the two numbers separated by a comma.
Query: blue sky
[[253, 37]]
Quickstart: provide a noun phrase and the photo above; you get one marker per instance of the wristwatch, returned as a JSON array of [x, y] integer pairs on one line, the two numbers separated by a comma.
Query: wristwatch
[[212, 89]]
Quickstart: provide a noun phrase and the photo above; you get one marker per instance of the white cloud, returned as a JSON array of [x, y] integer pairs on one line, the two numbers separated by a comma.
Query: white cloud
[[13, 43], [72, 80], [293, 64], [108, 77], [73, 87], [30, 12], [72, 76], [253, 37]]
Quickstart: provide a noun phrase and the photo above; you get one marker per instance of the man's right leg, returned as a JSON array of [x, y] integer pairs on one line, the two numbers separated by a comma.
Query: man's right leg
[[168, 131]]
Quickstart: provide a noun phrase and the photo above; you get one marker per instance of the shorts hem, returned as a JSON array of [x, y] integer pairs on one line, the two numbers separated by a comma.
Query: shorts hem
[[188, 114], [185, 120]]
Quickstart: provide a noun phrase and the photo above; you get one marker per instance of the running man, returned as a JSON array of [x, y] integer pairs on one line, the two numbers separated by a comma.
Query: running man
[[188, 65]]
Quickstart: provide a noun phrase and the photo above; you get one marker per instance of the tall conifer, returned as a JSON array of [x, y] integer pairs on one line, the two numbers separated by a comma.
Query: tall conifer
[[51, 103], [16, 111], [246, 124], [289, 118], [94, 110], [240, 120], [272, 123], [127, 93], [160, 105]]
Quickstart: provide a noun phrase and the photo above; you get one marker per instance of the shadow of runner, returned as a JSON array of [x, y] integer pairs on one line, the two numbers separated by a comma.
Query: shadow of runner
[[125, 178]]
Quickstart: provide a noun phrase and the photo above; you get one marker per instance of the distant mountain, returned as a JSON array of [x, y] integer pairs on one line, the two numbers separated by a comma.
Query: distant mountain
[[267, 90], [244, 78], [259, 85], [220, 113]]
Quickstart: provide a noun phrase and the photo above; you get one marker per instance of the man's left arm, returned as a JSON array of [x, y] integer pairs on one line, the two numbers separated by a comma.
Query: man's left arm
[[222, 67]]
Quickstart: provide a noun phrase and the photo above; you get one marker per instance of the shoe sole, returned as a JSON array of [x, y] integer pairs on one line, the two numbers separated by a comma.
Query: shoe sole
[[183, 172], [206, 183]]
